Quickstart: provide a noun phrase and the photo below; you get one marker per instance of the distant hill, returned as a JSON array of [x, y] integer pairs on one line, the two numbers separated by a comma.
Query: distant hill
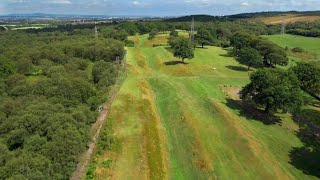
[[271, 17], [198, 18]]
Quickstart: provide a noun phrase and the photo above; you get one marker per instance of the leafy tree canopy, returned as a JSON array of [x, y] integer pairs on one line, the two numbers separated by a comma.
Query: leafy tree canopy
[[273, 89]]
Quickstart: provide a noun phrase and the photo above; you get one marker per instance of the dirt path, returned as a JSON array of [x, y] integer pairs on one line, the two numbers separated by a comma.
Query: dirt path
[[87, 155], [96, 129]]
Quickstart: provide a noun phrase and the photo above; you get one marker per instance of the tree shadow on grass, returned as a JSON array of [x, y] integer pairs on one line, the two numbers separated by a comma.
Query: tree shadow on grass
[[199, 47], [252, 113], [307, 158], [226, 55], [172, 63], [237, 68], [229, 53]]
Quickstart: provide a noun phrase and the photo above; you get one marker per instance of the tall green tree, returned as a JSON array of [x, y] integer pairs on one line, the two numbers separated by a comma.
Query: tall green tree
[[174, 33], [273, 89], [250, 57], [153, 34], [182, 49], [309, 76], [203, 37]]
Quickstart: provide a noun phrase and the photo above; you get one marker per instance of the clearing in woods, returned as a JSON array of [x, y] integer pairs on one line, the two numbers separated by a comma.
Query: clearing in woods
[[175, 121]]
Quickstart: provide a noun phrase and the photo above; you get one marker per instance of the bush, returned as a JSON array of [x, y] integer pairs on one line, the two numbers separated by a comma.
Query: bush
[[298, 49], [130, 43]]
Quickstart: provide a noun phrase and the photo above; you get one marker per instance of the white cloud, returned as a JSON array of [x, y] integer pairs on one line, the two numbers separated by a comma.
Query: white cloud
[[139, 4], [244, 4], [60, 1], [136, 3]]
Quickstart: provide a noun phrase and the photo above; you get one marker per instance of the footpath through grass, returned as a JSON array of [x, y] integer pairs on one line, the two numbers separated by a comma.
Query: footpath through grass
[[174, 121]]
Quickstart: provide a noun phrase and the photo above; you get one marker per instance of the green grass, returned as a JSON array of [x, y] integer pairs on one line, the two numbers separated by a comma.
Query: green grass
[[174, 122], [309, 44]]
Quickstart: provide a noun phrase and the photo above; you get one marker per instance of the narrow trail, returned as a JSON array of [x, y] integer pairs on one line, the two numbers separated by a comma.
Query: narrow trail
[[96, 128]]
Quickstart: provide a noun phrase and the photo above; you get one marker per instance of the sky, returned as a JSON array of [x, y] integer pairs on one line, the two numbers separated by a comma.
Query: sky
[[153, 7]]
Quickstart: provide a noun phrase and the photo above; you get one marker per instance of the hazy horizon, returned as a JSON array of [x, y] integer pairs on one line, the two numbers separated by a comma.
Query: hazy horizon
[[151, 7]]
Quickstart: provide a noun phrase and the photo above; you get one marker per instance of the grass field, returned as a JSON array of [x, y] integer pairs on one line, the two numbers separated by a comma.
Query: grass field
[[289, 18], [309, 44], [175, 121]]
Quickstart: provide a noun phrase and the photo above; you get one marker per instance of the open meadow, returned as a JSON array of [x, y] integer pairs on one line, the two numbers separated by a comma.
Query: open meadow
[[184, 121], [310, 45]]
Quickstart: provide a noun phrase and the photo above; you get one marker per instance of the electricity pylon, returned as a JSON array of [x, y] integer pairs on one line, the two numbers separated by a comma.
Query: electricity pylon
[[192, 31]]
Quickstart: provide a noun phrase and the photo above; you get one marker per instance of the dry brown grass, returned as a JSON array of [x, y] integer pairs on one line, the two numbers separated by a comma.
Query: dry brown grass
[[289, 18], [231, 91], [153, 142], [201, 158]]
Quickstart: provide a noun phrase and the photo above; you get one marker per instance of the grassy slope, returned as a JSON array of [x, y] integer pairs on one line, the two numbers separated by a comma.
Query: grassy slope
[[174, 122], [289, 18], [311, 45]]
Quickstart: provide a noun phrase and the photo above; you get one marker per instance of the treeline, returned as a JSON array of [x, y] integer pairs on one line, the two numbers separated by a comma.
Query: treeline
[[274, 13], [269, 53], [225, 27], [273, 88], [69, 27], [51, 85], [309, 29], [208, 18]]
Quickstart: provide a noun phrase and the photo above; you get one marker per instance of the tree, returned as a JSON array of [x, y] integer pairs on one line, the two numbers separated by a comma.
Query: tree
[[5, 68], [240, 40], [204, 37], [277, 59], [309, 76], [272, 54], [153, 34], [182, 49], [249, 57], [273, 89], [25, 66], [174, 33]]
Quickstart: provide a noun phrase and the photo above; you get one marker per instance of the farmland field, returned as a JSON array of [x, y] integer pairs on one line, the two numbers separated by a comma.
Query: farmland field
[[288, 18], [182, 121]]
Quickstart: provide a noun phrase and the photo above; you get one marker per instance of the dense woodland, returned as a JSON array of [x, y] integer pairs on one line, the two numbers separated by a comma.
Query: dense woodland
[[311, 29], [51, 84]]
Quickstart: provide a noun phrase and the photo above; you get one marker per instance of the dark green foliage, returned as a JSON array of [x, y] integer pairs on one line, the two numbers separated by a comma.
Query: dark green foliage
[[90, 174], [106, 141], [130, 43], [272, 54], [24, 66], [51, 85], [6, 68], [297, 49], [309, 29], [273, 89], [174, 33], [203, 37], [249, 57], [240, 40], [309, 76], [120, 35], [182, 48], [153, 34]]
